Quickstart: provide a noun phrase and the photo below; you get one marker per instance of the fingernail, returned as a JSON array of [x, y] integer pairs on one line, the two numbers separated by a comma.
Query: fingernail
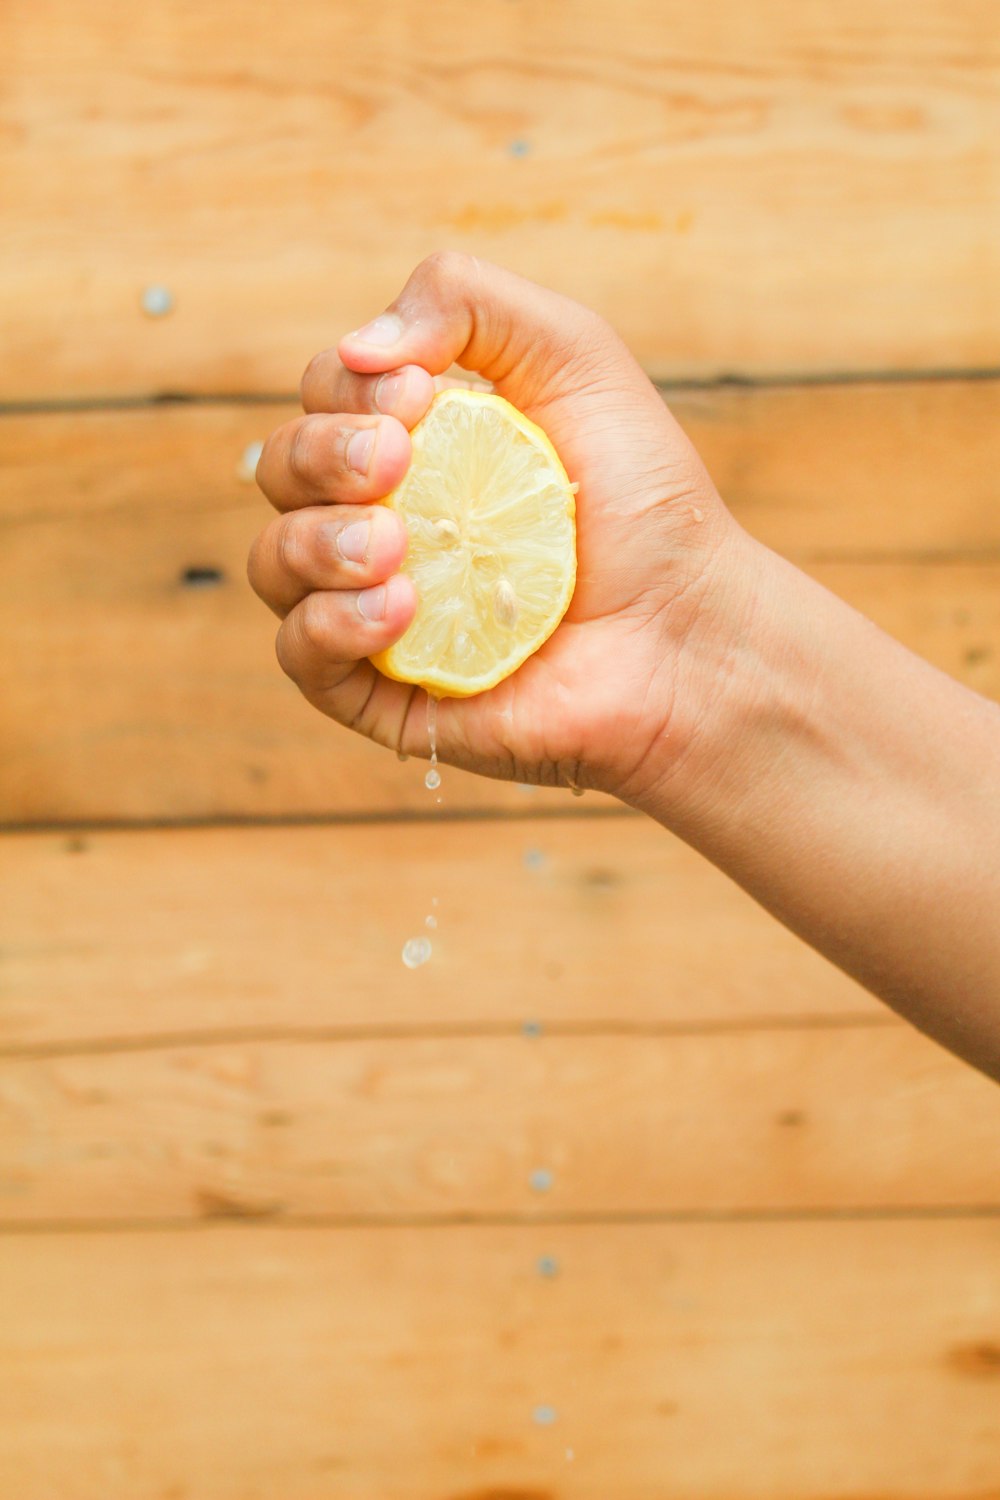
[[385, 329], [352, 541], [371, 602], [388, 391], [359, 449]]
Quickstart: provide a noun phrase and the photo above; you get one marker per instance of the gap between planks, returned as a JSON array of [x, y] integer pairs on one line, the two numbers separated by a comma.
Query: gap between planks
[[347, 1223], [321, 820], [788, 380], [291, 1036]]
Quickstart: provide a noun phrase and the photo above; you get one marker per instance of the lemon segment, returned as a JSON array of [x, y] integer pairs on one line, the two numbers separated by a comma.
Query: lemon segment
[[491, 519]]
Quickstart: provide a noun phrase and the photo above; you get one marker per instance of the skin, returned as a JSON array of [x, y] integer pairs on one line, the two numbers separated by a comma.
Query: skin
[[847, 785]]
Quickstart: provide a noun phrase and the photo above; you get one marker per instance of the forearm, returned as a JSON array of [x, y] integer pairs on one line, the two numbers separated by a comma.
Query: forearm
[[854, 791]]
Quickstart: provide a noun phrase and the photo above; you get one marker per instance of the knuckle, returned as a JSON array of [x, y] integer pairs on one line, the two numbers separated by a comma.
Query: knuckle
[[288, 547], [283, 650], [447, 268], [314, 624], [303, 450], [253, 565], [312, 375]]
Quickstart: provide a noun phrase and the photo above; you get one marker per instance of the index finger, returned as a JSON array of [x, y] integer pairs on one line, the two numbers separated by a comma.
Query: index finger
[[329, 386]]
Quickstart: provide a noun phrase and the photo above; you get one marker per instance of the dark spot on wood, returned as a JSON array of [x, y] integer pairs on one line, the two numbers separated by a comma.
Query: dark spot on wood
[[213, 1204], [553, 970], [258, 774], [275, 1117], [601, 879], [791, 1117], [495, 1447], [330, 1463], [981, 1359], [504, 1494], [667, 1408], [76, 845], [610, 1343], [974, 655], [202, 578]]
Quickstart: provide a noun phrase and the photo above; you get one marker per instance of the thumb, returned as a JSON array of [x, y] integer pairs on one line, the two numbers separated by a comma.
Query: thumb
[[533, 344]]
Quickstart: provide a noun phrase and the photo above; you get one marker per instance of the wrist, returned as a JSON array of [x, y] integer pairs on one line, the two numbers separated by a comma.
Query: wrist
[[725, 680]]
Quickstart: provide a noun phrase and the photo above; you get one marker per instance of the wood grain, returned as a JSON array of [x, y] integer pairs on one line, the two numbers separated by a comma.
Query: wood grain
[[102, 514], [771, 1361], [456, 1128], [899, 470], [805, 192], [243, 932]]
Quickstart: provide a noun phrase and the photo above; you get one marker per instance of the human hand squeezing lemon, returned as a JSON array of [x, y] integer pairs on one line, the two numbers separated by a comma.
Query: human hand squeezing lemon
[[847, 785], [489, 551]]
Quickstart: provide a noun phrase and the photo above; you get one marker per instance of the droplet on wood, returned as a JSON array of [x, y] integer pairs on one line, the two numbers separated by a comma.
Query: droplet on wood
[[505, 603]]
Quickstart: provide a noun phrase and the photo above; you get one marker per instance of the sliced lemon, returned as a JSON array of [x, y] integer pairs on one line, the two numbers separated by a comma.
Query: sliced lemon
[[492, 525]]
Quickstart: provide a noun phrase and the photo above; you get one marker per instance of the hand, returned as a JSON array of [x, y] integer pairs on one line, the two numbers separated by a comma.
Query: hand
[[633, 659]]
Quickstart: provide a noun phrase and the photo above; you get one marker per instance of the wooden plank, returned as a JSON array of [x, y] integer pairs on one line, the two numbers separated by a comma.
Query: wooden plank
[[752, 193], [209, 932], [894, 470], [103, 513], [457, 1127], [761, 1361], [193, 717]]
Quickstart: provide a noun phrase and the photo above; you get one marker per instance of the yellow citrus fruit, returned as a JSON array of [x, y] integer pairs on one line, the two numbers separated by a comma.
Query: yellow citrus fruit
[[492, 526]]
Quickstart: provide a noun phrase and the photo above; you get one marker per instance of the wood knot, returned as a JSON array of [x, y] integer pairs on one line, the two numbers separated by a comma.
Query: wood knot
[[505, 1494], [213, 1204], [980, 1358]]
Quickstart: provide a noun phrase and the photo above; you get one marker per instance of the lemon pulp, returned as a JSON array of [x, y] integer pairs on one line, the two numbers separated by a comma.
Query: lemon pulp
[[492, 552]]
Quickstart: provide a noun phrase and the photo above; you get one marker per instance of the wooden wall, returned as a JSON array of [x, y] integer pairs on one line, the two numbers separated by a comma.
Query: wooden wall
[[626, 1193]]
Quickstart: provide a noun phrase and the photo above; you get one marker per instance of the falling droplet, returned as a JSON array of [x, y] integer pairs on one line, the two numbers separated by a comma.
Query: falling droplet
[[433, 778], [416, 951], [400, 756], [577, 791]]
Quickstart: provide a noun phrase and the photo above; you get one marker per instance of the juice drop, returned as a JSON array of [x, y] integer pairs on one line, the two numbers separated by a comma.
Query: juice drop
[[416, 951], [433, 778]]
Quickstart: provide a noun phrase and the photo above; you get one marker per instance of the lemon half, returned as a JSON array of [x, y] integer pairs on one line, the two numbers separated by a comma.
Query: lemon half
[[492, 525]]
